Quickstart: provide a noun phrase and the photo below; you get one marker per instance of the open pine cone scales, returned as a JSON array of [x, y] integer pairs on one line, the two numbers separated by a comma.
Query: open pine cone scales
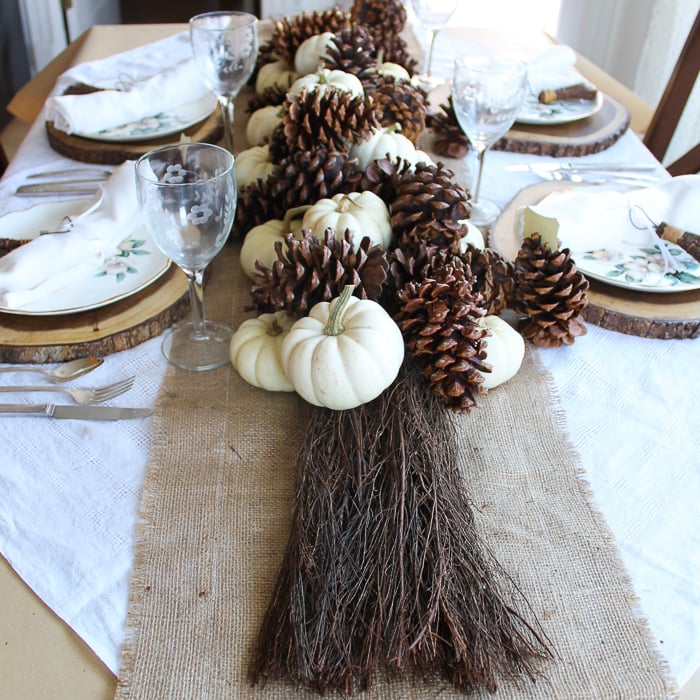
[[551, 292]]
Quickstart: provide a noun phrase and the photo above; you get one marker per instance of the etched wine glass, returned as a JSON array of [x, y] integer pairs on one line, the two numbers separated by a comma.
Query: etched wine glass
[[432, 15], [225, 49], [487, 94], [188, 195]]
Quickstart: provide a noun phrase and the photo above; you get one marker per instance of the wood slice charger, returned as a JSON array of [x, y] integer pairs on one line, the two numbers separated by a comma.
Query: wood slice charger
[[645, 314]]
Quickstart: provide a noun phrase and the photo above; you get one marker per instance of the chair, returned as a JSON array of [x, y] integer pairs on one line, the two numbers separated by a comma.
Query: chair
[[670, 107], [3, 160]]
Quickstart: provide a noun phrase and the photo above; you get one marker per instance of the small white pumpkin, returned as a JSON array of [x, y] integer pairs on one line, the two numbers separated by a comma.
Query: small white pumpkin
[[255, 351], [393, 70], [262, 123], [364, 213], [388, 141], [259, 242], [344, 353], [474, 236], [275, 74], [325, 80], [253, 164], [311, 51], [505, 349]]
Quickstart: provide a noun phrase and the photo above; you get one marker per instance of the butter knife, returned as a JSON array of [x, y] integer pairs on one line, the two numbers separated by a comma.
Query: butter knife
[[76, 412], [74, 187], [580, 167]]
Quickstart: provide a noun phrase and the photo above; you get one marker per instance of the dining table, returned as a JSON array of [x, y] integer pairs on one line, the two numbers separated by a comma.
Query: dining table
[[117, 536]]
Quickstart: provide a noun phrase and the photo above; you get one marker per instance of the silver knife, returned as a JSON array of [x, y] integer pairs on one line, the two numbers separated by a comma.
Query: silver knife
[[595, 167], [77, 412], [76, 187]]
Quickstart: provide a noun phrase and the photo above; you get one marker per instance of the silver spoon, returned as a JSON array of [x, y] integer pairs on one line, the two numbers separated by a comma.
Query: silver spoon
[[65, 372]]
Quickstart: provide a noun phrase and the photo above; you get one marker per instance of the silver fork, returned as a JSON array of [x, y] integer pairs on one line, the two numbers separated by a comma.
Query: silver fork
[[83, 395]]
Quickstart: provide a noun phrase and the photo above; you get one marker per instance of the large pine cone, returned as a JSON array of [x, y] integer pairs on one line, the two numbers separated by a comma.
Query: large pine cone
[[334, 119], [290, 32], [255, 206], [438, 318], [385, 17], [445, 234], [450, 141], [551, 292], [381, 176], [426, 194], [352, 51], [312, 270], [494, 277], [269, 96], [397, 101]]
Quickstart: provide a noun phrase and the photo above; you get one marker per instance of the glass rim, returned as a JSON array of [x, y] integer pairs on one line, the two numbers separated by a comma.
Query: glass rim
[[176, 146], [252, 19], [508, 64]]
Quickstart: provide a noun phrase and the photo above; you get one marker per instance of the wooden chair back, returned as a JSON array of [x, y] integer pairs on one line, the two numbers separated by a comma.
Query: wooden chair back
[[668, 112]]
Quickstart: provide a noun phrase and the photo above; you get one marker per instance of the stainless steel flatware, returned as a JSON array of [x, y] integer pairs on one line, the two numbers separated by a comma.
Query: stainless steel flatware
[[74, 187], [95, 173], [51, 410], [83, 395], [64, 372], [538, 168]]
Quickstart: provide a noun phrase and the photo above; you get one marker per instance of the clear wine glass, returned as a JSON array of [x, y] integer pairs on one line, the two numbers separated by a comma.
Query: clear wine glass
[[225, 49], [188, 196], [432, 16], [487, 94]]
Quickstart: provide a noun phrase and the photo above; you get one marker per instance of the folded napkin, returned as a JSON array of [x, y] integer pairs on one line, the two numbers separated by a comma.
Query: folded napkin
[[593, 217], [552, 69], [105, 109], [53, 261]]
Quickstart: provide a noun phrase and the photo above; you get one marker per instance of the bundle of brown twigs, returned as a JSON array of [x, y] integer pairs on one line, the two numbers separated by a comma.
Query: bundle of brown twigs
[[384, 572]]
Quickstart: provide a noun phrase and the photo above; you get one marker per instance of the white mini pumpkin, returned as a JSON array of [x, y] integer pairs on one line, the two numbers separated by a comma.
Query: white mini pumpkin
[[311, 51], [388, 141], [275, 74], [261, 123], [505, 349], [474, 236], [344, 353], [393, 70], [255, 351], [364, 213], [253, 164], [325, 80]]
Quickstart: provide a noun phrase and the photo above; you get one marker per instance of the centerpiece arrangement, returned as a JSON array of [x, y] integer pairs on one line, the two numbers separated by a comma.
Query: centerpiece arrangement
[[379, 304]]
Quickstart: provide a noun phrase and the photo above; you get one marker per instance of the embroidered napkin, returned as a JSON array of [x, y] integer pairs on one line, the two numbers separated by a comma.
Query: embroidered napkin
[[52, 261], [104, 109], [552, 69]]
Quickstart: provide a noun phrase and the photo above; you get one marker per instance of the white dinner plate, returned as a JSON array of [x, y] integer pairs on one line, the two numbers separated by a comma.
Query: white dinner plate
[[139, 263], [160, 124], [560, 112]]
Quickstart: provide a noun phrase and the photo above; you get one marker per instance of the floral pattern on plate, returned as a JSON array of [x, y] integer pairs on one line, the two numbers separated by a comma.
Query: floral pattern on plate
[[560, 112], [117, 265], [641, 268]]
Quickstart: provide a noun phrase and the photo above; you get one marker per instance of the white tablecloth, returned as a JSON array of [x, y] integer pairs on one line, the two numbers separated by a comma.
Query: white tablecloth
[[69, 490]]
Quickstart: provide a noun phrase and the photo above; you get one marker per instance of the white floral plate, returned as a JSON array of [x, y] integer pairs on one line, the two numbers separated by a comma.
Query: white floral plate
[[138, 264], [534, 112], [160, 124]]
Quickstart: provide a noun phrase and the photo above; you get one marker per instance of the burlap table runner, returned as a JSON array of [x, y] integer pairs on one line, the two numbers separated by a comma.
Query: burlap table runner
[[216, 513]]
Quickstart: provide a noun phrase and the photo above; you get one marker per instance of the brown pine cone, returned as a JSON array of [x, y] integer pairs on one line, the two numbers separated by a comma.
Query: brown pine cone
[[255, 206], [269, 96], [494, 277], [304, 177], [425, 194], [380, 176], [551, 292], [397, 101], [438, 318], [313, 270], [352, 51], [444, 234], [386, 17], [334, 119], [450, 141], [290, 32]]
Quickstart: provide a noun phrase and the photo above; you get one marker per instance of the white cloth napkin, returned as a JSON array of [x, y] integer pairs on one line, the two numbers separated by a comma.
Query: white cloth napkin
[[104, 109], [552, 69], [592, 217], [50, 262]]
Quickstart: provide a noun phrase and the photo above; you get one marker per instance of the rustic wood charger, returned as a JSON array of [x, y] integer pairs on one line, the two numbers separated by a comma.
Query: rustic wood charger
[[645, 314]]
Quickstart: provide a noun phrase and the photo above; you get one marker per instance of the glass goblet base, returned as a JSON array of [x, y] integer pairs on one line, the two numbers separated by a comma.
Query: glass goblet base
[[194, 351], [484, 212], [426, 82]]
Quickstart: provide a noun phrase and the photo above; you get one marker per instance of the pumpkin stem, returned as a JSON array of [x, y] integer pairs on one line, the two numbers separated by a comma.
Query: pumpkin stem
[[380, 58], [293, 213], [334, 325], [345, 202], [274, 328]]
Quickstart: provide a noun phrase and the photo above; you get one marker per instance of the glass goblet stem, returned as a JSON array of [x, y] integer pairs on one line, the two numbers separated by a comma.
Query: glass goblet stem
[[429, 55], [480, 155], [226, 103], [195, 282]]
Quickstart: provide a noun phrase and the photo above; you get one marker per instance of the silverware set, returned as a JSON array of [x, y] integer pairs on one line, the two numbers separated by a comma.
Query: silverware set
[[79, 182], [634, 173], [85, 397]]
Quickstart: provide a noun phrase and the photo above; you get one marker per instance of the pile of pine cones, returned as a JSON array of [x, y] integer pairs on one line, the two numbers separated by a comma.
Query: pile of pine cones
[[436, 286]]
